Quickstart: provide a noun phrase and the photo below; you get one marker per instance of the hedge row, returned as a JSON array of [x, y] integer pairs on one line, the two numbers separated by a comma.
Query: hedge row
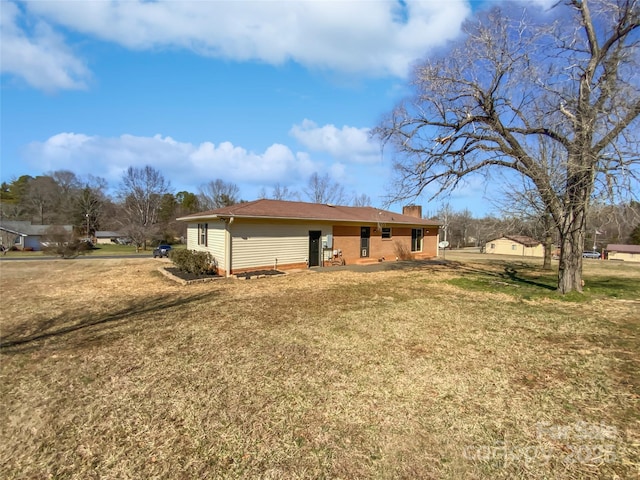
[[198, 263]]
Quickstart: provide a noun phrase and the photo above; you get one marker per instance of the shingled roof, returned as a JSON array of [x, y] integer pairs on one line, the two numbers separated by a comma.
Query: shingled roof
[[521, 239], [24, 228], [281, 209], [616, 247]]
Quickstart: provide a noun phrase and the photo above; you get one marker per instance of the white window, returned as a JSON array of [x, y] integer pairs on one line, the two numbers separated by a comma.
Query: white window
[[202, 234]]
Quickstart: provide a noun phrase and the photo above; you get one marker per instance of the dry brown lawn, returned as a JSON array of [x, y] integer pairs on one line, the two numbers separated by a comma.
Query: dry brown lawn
[[111, 370]]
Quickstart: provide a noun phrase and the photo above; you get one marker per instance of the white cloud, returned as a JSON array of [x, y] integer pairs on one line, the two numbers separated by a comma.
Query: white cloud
[[379, 37], [338, 171], [40, 56], [185, 164], [348, 143]]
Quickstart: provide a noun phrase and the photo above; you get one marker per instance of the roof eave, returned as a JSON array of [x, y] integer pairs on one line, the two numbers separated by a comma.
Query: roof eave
[[202, 217], [13, 231], [422, 222]]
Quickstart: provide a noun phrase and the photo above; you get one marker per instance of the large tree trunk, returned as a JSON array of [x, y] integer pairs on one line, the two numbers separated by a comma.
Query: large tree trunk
[[548, 246], [548, 241], [572, 237]]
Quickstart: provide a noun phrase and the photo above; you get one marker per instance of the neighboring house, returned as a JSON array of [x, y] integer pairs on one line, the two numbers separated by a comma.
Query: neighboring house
[[106, 237], [628, 253], [515, 245], [22, 235], [267, 234]]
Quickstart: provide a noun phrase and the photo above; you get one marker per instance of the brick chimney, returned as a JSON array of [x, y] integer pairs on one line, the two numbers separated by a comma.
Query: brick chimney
[[412, 211]]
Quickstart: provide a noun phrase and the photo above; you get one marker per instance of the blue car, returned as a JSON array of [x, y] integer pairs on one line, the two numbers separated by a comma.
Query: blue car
[[161, 251]]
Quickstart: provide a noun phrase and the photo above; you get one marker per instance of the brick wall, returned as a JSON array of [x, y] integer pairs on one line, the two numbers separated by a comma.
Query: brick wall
[[412, 211], [347, 239]]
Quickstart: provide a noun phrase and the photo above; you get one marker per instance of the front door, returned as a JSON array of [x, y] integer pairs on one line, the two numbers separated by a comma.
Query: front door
[[365, 234], [314, 248]]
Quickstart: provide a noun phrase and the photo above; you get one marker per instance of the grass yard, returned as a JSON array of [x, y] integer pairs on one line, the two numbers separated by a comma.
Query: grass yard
[[98, 250], [475, 369]]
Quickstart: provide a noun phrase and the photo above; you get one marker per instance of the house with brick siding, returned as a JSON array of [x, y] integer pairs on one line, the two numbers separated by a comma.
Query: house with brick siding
[[278, 234]]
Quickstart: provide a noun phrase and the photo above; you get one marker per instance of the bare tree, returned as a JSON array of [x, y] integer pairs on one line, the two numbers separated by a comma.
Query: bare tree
[[489, 102], [66, 180], [42, 198], [611, 223], [486, 229], [88, 210], [444, 214], [362, 200], [141, 192], [87, 198], [460, 227], [280, 192], [522, 202], [218, 193], [60, 241], [324, 190], [634, 236], [68, 189]]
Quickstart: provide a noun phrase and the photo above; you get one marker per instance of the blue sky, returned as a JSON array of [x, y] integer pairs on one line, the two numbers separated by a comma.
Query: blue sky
[[256, 93]]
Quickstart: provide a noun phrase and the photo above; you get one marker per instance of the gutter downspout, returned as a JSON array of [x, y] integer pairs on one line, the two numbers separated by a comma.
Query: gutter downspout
[[227, 245]]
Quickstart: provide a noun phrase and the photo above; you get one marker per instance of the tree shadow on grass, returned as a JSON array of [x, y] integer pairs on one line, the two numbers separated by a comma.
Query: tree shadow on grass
[[507, 271], [512, 274], [46, 327]]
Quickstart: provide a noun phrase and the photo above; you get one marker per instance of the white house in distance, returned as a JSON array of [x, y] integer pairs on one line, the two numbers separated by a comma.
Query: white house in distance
[[515, 245], [105, 237], [628, 253], [277, 234]]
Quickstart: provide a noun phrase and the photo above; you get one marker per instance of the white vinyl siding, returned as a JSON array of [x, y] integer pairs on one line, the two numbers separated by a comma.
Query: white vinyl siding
[[215, 241], [260, 244], [192, 236]]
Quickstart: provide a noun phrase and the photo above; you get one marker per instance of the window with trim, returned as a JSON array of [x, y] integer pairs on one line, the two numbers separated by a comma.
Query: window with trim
[[202, 234], [416, 239], [493, 245], [513, 247], [386, 233]]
